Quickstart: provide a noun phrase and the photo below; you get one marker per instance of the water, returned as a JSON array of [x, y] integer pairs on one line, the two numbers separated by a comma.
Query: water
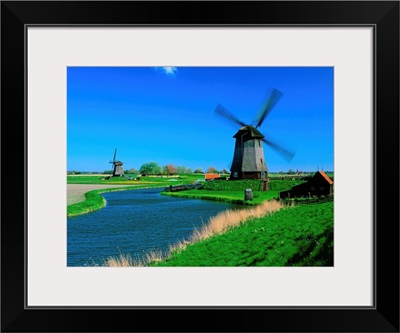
[[135, 222]]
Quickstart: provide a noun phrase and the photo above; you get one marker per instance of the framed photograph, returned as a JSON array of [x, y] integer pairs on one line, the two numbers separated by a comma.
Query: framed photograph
[[102, 96]]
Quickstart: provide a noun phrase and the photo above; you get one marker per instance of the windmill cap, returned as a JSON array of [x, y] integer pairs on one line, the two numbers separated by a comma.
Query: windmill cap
[[254, 132]]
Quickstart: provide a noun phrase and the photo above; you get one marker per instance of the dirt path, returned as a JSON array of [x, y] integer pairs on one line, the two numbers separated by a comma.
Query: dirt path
[[76, 192]]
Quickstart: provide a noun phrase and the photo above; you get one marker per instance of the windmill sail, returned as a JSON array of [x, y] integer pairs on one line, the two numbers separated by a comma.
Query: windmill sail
[[248, 159]]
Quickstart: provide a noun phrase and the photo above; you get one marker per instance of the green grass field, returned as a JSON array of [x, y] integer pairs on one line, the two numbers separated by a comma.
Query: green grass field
[[295, 236], [162, 181]]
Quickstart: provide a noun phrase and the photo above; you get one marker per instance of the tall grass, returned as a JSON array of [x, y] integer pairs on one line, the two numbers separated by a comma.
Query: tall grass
[[232, 218], [123, 260], [126, 260], [216, 225]]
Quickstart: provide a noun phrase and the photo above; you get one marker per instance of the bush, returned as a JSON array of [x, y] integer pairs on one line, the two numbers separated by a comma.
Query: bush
[[254, 184], [283, 185], [233, 185]]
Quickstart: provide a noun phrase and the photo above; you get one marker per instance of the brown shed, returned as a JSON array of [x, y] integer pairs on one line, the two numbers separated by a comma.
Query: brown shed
[[319, 184]]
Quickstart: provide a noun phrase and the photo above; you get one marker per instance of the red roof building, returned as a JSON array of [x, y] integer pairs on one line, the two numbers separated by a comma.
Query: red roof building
[[319, 184], [210, 176]]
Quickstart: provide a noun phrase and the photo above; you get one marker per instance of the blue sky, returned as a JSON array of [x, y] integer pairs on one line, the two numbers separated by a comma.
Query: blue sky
[[166, 115]]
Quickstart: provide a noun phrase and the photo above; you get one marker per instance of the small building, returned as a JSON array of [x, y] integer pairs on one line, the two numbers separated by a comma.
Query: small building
[[318, 185], [211, 176]]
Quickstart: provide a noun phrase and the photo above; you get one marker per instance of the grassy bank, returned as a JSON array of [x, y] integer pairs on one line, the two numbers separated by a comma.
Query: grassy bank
[[297, 236], [236, 197], [290, 236], [254, 184], [233, 191], [94, 200]]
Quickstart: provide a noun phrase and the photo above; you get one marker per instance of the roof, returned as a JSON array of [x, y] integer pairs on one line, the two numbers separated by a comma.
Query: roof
[[254, 132], [324, 175], [211, 175]]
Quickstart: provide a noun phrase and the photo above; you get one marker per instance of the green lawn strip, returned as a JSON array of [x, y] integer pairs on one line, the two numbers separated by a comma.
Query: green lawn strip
[[163, 181], [283, 185], [254, 184], [95, 201], [236, 197], [233, 192], [297, 236]]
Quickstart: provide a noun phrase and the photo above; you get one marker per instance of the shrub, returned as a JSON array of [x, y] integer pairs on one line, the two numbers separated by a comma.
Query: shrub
[[233, 185], [283, 185]]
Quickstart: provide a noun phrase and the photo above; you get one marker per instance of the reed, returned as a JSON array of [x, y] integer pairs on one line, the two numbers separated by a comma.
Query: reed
[[232, 218]]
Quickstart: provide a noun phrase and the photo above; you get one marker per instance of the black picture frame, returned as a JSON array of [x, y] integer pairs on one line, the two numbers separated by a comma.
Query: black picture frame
[[383, 16]]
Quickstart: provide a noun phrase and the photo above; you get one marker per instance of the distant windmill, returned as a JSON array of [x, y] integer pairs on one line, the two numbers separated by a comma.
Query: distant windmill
[[118, 169], [248, 158]]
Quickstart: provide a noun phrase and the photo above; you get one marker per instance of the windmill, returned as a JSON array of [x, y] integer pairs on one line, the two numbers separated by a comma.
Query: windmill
[[248, 159], [118, 169]]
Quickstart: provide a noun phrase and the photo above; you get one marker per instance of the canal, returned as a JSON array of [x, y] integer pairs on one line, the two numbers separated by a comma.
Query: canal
[[135, 222]]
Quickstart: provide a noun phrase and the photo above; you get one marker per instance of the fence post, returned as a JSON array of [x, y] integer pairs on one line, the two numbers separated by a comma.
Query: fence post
[[248, 194]]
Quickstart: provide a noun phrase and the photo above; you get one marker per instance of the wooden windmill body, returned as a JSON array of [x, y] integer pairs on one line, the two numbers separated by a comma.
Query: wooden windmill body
[[248, 158], [118, 169]]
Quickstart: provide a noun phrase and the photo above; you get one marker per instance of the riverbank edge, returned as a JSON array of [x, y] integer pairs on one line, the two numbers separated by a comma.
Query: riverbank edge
[[212, 198], [85, 207]]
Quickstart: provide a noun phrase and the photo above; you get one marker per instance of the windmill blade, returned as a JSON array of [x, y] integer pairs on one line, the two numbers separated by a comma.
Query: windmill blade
[[115, 154], [225, 113], [285, 153], [267, 107]]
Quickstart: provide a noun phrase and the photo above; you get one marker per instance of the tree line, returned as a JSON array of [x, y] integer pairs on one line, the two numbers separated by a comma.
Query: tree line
[[153, 168]]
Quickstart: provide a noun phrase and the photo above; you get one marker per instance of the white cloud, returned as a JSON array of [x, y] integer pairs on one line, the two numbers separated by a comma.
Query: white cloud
[[170, 71]]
